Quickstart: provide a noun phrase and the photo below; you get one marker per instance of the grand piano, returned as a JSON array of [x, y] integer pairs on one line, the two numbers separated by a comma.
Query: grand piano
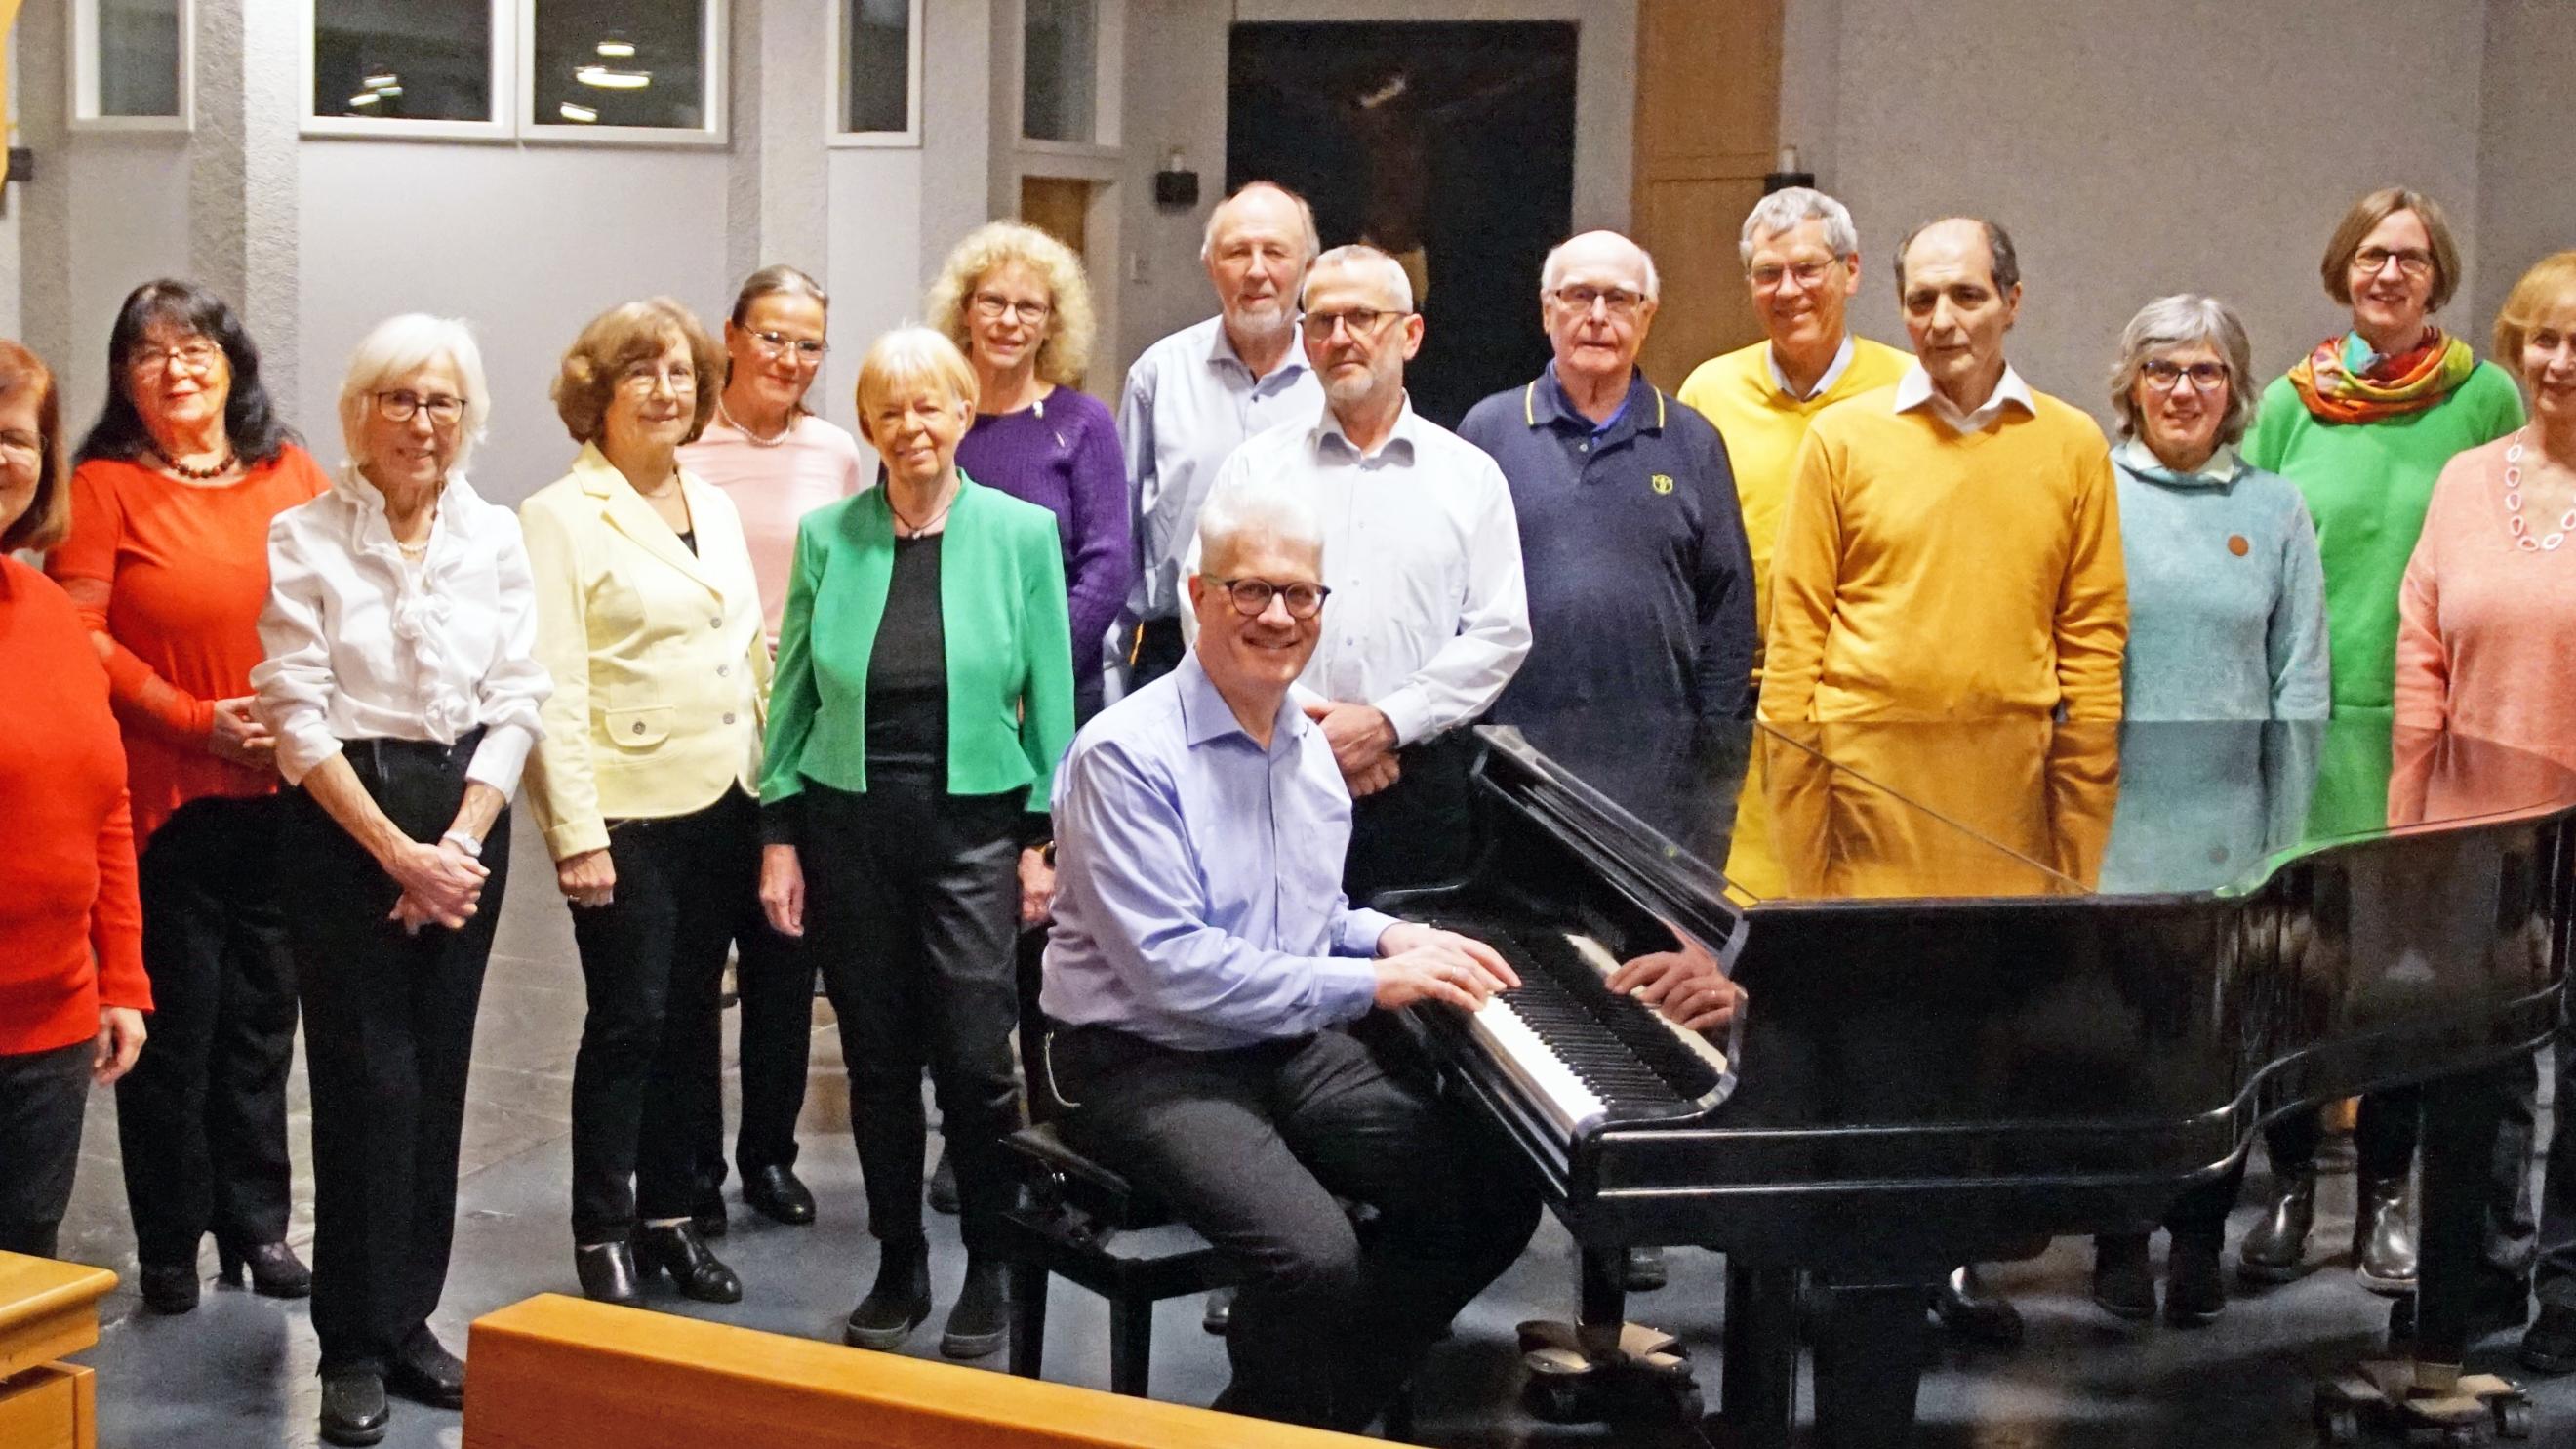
[[2007, 979]]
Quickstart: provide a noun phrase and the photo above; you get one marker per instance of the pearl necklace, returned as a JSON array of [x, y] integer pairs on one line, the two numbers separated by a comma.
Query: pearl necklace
[[748, 436], [2514, 520]]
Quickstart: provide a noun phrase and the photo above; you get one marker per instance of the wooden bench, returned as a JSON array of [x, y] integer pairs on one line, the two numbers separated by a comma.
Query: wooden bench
[[565, 1373], [47, 1310]]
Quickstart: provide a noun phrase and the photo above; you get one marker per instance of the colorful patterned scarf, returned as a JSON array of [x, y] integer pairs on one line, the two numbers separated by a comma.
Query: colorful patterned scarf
[[2343, 381]]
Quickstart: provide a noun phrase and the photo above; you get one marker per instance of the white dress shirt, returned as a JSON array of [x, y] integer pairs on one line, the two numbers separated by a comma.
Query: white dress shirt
[[1915, 390], [1189, 401], [1833, 371], [360, 646], [1429, 616]]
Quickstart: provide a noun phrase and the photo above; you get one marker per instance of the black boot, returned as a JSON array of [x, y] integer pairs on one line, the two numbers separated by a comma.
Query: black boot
[[2123, 1285], [2194, 1289], [2383, 1233], [778, 1194], [169, 1287], [981, 1319], [424, 1372], [275, 1271], [354, 1411], [607, 1273], [2273, 1248], [1968, 1310], [943, 1185], [2550, 1346], [677, 1249], [897, 1303]]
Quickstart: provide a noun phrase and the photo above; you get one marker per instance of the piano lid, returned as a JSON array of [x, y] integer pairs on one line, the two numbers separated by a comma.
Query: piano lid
[[1806, 814]]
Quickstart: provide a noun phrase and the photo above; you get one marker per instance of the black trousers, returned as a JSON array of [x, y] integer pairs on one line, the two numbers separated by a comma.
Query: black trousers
[[2383, 1136], [1157, 651], [774, 991], [1252, 1146], [1420, 831], [201, 1120], [644, 1083], [2554, 1272], [389, 1031], [42, 1097], [912, 907]]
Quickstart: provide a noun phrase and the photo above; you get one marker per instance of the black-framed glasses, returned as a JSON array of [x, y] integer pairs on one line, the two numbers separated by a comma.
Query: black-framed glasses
[[807, 349], [994, 308], [1359, 320], [399, 406], [1579, 298], [2206, 376], [1252, 596]]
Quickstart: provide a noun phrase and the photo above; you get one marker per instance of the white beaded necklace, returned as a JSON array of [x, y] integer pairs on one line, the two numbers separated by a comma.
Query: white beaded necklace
[[2520, 526], [755, 439]]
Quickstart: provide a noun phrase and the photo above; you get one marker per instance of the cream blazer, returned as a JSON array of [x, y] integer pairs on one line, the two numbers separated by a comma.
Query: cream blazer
[[661, 667]]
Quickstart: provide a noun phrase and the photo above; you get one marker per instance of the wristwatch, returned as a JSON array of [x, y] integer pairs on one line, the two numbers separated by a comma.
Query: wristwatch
[[464, 842]]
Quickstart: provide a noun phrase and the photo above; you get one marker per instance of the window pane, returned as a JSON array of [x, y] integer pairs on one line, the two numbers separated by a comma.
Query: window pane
[[1058, 68], [138, 58], [621, 63], [878, 68], [403, 60]]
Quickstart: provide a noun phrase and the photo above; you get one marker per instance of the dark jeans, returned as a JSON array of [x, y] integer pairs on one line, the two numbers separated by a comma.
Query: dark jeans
[[912, 907], [201, 1120], [42, 1096], [388, 1034], [1419, 831], [644, 1083], [1252, 1146], [2554, 1274]]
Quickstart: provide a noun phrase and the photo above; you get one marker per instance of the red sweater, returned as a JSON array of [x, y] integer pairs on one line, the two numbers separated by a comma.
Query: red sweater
[[186, 571], [71, 930]]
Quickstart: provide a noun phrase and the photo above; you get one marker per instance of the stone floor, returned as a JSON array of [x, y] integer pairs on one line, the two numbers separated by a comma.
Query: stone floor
[[238, 1373]]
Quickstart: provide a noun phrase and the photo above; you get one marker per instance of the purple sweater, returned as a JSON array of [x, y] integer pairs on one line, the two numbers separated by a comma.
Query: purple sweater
[[1062, 455]]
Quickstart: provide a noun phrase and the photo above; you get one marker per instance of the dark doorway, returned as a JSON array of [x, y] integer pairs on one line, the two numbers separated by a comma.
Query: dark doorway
[[1450, 145]]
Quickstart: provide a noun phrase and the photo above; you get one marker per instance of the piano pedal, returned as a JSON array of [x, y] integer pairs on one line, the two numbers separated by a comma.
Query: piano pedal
[[2402, 1402], [1648, 1374]]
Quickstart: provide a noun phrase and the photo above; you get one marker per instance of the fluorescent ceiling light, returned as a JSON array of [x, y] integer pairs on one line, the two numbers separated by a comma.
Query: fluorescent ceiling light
[[365, 98], [617, 49], [571, 112], [378, 80], [389, 90], [613, 80]]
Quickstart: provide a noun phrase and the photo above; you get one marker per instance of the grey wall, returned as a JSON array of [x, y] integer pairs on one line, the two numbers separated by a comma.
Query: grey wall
[[2527, 168]]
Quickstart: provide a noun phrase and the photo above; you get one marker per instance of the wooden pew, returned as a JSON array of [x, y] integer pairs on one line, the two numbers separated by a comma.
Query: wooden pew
[[565, 1373], [47, 1310]]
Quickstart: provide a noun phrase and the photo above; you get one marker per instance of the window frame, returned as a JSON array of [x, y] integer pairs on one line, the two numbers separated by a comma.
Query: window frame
[[715, 95], [836, 90], [82, 76], [1108, 81], [398, 128]]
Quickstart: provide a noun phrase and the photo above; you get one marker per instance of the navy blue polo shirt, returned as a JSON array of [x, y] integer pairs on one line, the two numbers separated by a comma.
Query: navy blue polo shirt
[[1640, 584]]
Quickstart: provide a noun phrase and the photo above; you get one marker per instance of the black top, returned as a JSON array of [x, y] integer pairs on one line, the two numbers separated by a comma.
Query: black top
[[907, 708], [689, 539]]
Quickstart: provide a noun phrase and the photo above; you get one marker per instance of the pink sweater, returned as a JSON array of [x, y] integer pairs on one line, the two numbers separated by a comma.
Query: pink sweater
[[773, 486], [2486, 637]]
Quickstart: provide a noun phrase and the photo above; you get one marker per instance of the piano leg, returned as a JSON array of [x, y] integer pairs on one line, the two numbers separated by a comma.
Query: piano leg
[[1601, 1301], [2460, 1117], [1757, 1396], [1869, 1361]]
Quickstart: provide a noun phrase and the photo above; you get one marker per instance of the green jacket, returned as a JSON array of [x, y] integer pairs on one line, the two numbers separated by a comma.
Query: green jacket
[[1010, 651]]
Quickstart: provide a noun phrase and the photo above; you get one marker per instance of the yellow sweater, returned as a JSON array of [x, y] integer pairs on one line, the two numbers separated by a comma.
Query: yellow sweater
[[1922, 574], [1763, 427]]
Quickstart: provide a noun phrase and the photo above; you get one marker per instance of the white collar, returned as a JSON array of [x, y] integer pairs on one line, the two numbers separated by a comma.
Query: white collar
[[2134, 455], [1825, 384], [1403, 432], [1915, 389]]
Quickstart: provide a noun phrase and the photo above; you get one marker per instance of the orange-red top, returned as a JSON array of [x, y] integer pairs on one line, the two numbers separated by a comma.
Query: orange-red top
[[71, 931], [186, 569]]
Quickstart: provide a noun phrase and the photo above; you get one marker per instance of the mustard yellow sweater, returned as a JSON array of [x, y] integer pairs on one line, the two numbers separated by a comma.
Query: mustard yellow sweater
[[1921, 574]]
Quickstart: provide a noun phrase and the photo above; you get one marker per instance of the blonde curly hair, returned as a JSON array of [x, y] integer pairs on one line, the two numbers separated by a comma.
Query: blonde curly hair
[[1065, 351]]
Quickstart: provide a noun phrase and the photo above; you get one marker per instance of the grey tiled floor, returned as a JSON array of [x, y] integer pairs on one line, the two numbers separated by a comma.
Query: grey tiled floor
[[238, 1373]]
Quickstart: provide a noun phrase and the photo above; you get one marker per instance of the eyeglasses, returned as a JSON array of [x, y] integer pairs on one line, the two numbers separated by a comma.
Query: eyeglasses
[[197, 357], [1580, 299], [1359, 321], [2206, 376], [2412, 261], [398, 407], [1808, 275], [640, 377], [808, 350], [993, 309], [1252, 596]]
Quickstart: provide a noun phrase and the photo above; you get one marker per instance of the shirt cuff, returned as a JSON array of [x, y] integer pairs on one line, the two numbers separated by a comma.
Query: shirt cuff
[[1408, 712], [500, 758], [1345, 989], [300, 751], [1357, 933]]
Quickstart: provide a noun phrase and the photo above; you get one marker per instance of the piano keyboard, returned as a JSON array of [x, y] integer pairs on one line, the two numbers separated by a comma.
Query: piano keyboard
[[1584, 1054]]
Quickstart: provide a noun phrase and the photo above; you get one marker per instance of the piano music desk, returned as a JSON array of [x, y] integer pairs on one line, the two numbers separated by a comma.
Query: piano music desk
[[48, 1309]]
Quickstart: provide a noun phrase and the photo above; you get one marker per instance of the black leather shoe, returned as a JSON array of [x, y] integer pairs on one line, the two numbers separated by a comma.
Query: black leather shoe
[[275, 1271], [1642, 1270], [168, 1287], [2502, 1301], [981, 1320], [2274, 1247], [2195, 1290], [708, 1217], [607, 1273], [2550, 1346], [426, 1373], [676, 1249], [1968, 1310], [354, 1411], [2123, 1285], [2383, 1234], [777, 1194], [943, 1185], [1219, 1315], [897, 1303]]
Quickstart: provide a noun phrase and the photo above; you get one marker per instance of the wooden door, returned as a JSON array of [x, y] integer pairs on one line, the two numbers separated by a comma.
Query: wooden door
[[1707, 130], [1060, 206]]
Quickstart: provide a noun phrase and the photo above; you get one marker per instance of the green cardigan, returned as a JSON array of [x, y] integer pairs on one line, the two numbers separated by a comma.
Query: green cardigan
[[1010, 650], [2367, 485]]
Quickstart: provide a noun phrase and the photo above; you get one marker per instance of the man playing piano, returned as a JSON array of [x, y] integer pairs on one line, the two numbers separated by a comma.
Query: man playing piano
[[1202, 978]]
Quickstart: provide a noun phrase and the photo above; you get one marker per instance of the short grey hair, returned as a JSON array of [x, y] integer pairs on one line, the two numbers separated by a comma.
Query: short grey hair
[[1248, 505], [399, 345], [1554, 267], [1360, 256], [1305, 218], [2186, 319], [1792, 206]]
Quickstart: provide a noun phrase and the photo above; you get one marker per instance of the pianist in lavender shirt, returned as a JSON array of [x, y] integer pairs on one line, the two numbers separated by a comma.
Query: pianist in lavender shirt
[[1204, 974]]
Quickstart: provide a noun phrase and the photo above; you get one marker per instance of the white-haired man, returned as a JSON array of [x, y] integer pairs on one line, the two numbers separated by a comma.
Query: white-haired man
[[1195, 395], [1201, 975], [1429, 615]]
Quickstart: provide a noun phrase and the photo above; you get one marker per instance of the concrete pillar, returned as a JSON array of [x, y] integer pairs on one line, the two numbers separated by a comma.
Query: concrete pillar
[[243, 184], [778, 192], [41, 209]]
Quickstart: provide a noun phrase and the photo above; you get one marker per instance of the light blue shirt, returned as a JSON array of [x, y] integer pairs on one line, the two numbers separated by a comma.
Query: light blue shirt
[[1188, 402], [1198, 876]]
